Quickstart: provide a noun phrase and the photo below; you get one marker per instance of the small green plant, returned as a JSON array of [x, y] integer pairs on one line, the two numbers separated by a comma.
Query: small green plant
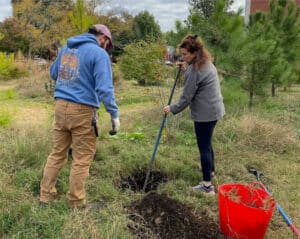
[[6, 63], [5, 119], [10, 94], [7, 94]]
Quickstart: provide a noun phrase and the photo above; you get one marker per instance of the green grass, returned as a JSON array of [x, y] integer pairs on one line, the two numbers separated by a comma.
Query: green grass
[[5, 119], [7, 94], [265, 138], [233, 97]]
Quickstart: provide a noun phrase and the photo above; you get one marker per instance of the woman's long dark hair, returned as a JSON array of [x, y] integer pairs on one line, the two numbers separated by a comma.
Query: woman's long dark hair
[[193, 44]]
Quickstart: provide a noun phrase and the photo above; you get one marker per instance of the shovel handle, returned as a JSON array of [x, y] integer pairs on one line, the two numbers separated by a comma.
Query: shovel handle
[[160, 132]]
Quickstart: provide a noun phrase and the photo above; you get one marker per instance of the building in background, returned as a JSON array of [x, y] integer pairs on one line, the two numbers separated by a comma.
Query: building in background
[[253, 6]]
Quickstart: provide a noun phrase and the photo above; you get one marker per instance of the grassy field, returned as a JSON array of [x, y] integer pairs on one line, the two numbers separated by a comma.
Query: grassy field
[[266, 138]]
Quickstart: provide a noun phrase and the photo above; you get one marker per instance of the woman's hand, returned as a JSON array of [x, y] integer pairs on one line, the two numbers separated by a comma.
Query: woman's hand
[[181, 64], [167, 109]]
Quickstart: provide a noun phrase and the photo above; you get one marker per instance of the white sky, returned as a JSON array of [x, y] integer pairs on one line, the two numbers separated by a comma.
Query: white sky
[[165, 12], [5, 9]]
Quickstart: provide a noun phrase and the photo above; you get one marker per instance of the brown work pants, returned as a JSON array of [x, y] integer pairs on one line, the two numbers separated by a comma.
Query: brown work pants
[[72, 126]]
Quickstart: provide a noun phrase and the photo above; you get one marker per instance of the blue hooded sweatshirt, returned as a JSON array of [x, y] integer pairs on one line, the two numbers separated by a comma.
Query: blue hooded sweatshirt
[[82, 71]]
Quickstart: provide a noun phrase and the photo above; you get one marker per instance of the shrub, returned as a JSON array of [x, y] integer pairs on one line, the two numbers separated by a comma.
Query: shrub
[[142, 62], [117, 74], [232, 92], [37, 85], [7, 68]]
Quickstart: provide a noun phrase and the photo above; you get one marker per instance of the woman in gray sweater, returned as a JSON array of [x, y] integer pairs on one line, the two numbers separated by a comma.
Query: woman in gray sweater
[[201, 92]]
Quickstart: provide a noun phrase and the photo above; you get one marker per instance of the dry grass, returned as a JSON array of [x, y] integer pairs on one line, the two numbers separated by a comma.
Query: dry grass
[[34, 85], [86, 226], [31, 117], [264, 135]]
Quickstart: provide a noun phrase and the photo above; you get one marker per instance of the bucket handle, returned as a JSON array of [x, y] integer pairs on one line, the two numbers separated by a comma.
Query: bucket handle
[[259, 185]]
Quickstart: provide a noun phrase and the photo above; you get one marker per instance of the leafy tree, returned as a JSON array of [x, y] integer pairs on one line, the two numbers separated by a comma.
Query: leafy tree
[[141, 61], [13, 36], [174, 38], [121, 27], [42, 22], [145, 27], [93, 4], [205, 8]]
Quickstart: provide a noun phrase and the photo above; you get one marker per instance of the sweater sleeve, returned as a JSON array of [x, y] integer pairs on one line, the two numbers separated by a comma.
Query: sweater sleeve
[[54, 68], [104, 85], [188, 92]]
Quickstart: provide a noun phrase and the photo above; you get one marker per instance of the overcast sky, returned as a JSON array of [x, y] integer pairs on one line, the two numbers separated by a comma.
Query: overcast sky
[[164, 11]]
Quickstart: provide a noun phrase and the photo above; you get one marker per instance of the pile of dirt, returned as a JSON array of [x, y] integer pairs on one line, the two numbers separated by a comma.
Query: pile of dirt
[[164, 218], [135, 182]]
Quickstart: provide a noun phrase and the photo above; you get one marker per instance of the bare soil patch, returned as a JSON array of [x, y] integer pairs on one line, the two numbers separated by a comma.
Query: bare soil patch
[[6, 85], [165, 218]]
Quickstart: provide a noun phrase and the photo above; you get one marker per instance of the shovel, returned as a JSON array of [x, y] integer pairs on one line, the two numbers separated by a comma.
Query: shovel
[[160, 131]]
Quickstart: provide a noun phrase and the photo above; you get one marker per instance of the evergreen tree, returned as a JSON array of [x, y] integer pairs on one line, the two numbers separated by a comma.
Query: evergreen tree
[[222, 32], [284, 18], [80, 18], [281, 25], [257, 62]]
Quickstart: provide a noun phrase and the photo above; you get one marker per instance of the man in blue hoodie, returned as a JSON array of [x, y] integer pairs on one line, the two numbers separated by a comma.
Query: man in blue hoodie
[[83, 75]]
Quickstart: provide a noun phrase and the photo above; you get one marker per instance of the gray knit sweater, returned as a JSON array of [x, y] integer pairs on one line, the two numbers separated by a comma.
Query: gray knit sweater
[[202, 93]]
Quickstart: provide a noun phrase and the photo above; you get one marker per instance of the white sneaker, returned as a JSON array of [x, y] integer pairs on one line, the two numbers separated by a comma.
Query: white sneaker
[[208, 190]]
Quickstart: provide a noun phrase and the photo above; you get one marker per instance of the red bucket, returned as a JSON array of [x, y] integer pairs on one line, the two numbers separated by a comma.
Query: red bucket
[[244, 211]]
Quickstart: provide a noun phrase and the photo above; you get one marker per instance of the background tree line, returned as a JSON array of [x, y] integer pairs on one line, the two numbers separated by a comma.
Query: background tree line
[[38, 24], [264, 52]]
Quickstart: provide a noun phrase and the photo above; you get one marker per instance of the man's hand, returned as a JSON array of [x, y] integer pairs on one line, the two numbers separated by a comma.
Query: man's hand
[[115, 124]]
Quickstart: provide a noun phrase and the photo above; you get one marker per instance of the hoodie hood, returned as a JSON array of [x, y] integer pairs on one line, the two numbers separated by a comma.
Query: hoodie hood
[[74, 42]]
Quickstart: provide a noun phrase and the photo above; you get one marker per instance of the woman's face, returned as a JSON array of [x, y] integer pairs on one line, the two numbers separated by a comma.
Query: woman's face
[[187, 56]]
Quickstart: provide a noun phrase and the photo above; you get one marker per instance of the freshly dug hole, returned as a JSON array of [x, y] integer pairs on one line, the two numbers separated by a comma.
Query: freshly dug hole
[[158, 215], [135, 182]]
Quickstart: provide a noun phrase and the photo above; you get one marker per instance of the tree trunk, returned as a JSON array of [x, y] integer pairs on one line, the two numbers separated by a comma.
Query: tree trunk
[[273, 89], [251, 87], [250, 104]]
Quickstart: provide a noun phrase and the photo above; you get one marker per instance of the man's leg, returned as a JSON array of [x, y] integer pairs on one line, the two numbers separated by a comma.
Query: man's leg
[[58, 156], [83, 151]]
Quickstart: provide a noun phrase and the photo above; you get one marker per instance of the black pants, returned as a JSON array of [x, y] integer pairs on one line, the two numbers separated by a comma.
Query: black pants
[[204, 132]]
